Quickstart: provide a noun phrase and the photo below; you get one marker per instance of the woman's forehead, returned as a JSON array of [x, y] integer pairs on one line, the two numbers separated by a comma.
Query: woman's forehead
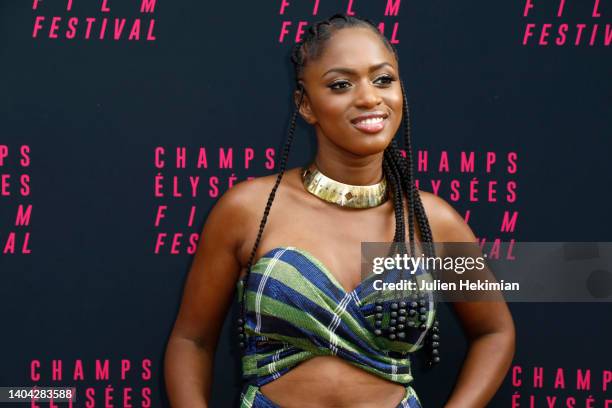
[[357, 48]]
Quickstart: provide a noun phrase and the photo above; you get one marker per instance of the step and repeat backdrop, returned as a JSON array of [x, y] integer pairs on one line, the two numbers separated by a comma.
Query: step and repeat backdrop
[[122, 122]]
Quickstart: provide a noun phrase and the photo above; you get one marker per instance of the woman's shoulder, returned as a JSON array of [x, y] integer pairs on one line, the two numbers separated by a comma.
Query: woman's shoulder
[[236, 215], [248, 193], [243, 204], [245, 196], [447, 225]]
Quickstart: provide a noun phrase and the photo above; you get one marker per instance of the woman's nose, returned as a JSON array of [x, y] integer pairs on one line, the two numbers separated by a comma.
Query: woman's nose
[[368, 96]]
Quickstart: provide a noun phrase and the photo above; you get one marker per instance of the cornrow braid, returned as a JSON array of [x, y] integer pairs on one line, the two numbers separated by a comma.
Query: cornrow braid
[[317, 35]]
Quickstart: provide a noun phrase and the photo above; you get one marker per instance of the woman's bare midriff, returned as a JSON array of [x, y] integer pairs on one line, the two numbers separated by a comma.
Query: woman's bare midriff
[[327, 381]]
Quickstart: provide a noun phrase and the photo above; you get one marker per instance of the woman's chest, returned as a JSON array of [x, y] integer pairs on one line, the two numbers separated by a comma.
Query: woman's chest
[[334, 238]]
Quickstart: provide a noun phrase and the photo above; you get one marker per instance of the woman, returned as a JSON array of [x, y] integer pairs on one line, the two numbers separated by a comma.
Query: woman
[[312, 336]]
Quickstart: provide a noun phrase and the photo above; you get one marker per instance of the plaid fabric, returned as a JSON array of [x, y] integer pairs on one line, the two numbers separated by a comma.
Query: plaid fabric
[[296, 309], [252, 398]]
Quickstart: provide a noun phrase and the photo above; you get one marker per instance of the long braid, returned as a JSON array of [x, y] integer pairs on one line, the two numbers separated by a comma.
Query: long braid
[[410, 179], [264, 219], [418, 204], [417, 210], [394, 180], [393, 175], [282, 168]]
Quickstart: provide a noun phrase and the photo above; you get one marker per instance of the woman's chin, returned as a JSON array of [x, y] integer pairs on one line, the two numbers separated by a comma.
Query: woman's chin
[[370, 146]]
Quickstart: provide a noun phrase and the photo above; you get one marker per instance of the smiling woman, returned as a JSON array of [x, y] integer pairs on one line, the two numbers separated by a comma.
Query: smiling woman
[[313, 334]]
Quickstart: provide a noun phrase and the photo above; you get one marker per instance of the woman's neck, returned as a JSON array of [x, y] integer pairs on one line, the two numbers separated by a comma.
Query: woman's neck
[[358, 171]]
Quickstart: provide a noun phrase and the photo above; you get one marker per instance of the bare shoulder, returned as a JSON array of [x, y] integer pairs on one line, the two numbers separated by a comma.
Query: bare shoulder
[[252, 195], [239, 209], [446, 223], [244, 199]]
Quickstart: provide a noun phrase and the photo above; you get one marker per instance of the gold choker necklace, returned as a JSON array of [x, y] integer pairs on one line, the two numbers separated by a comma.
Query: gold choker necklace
[[344, 195]]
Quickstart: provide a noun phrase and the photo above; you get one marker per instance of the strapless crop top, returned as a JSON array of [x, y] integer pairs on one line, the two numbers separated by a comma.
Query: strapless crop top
[[295, 309]]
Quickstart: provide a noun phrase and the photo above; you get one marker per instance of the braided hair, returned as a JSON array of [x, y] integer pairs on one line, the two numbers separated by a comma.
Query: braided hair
[[398, 170]]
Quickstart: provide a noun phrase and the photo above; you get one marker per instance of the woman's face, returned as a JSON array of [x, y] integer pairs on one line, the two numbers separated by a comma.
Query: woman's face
[[353, 95]]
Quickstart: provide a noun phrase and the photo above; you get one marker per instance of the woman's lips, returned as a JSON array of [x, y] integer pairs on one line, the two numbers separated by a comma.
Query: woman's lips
[[371, 125]]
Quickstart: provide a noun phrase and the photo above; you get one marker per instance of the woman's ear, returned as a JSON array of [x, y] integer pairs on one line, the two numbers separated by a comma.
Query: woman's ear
[[305, 107]]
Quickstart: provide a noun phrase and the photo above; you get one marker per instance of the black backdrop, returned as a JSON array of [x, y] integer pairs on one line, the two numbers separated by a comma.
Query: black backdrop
[[90, 276]]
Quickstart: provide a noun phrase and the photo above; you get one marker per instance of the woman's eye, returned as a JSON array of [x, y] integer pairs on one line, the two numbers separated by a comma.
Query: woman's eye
[[384, 80], [340, 85]]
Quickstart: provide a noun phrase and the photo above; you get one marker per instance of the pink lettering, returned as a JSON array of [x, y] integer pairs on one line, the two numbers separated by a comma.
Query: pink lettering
[[596, 9], [544, 34], [37, 25], [607, 379], [444, 162], [54, 27], [150, 35], [135, 33], [300, 31], [160, 241], [147, 6], [102, 371], [284, 4], [422, 156], [181, 157], [491, 159], [159, 152], [509, 223], [160, 214], [561, 7], [119, 24], [90, 21], [349, 9], [34, 374], [528, 6], [23, 218], [528, 32], [284, 31], [249, 153], [583, 381], [559, 379], [580, 28], [125, 367], [56, 370], [538, 377], [392, 8]]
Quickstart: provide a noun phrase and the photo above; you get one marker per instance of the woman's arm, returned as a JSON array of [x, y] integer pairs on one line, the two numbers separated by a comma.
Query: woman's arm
[[207, 295], [490, 332], [488, 325]]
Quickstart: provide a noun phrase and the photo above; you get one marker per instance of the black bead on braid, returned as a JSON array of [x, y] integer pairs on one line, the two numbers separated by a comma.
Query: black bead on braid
[[398, 170]]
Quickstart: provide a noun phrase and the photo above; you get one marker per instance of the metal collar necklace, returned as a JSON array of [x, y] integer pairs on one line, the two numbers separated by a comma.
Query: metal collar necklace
[[344, 195]]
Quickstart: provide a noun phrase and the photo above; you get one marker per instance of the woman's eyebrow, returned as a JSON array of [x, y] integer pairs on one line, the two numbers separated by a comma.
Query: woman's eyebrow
[[350, 71]]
